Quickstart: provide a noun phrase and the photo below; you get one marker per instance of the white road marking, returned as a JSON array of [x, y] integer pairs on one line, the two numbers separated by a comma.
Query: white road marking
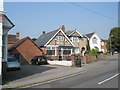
[[108, 78]]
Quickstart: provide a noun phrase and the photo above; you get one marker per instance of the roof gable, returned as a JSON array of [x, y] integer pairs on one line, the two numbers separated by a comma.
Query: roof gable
[[69, 33], [89, 35], [45, 39], [7, 22], [19, 42]]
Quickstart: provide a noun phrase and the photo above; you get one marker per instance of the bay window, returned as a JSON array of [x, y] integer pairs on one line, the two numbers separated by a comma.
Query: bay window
[[50, 50]]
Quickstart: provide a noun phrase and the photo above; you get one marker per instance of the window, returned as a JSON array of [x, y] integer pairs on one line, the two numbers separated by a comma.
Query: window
[[102, 43], [65, 51], [50, 50], [74, 39], [77, 50], [94, 40], [59, 38]]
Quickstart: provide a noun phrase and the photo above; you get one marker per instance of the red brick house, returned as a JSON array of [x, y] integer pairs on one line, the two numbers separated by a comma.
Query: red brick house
[[104, 44], [12, 39], [24, 50]]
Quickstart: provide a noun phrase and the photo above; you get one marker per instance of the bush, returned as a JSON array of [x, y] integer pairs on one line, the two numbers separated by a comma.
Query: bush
[[93, 52]]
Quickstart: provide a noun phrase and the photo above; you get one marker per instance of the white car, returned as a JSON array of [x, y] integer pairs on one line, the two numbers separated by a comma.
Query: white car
[[12, 63], [115, 52]]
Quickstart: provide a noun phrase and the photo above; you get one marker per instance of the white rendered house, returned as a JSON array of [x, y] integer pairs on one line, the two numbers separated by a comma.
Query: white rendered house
[[94, 41], [5, 26]]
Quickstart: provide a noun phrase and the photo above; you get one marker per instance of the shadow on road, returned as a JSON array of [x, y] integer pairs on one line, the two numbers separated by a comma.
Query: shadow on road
[[26, 70]]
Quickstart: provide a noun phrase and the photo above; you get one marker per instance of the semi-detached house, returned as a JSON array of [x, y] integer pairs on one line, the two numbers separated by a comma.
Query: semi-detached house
[[60, 44], [56, 44]]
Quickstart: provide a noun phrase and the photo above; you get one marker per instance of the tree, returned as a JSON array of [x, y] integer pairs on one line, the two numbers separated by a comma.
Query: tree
[[34, 39], [115, 38], [88, 47]]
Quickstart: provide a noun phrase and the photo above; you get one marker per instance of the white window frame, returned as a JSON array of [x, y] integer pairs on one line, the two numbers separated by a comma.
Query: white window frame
[[94, 40], [74, 39], [60, 38], [51, 48], [62, 49], [77, 51]]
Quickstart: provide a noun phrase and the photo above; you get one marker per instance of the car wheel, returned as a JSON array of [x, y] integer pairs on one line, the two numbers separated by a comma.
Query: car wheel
[[19, 68]]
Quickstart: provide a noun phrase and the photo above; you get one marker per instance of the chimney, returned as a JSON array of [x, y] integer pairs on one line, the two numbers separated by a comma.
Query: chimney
[[63, 28], [17, 35], [43, 33]]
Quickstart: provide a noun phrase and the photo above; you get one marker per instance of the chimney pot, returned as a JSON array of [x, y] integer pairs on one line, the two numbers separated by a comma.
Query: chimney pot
[[17, 35], [43, 32], [63, 28]]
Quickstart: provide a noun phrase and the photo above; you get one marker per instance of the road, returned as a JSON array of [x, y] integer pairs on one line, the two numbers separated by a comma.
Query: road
[[102, 77]]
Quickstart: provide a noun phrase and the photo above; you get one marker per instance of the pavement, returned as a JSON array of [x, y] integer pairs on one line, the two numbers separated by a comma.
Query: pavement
[[30, 75]]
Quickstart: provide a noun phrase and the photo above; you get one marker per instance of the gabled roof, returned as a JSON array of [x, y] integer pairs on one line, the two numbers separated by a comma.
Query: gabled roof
[[43, 39], [7, 22], [89, 35], [70, 32], [18, 43]]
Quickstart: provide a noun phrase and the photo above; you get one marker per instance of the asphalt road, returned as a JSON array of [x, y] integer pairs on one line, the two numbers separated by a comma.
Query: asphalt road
[[102, 77]]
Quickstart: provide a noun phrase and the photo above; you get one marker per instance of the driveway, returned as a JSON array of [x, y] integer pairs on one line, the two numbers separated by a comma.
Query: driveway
[[26, 70]]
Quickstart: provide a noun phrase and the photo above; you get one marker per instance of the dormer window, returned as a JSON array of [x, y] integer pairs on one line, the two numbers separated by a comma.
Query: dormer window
[[94, 40]]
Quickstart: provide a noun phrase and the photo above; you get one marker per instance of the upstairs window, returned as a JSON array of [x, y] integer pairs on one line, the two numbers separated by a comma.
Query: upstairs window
[[60, 38], [94, 40], [74, 39]]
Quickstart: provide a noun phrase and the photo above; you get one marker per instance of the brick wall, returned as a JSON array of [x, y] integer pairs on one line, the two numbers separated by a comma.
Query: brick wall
[[88, 59]]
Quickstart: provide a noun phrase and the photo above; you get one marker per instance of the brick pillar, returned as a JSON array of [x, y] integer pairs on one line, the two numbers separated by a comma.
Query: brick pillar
[[85, 60], [73, 60]]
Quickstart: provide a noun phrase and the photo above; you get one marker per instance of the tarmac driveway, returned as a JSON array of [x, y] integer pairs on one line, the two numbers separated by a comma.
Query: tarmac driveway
[[27, 70]]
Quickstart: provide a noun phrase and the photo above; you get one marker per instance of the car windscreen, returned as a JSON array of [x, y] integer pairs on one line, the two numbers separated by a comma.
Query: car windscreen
[[41, 57], [11, 59]]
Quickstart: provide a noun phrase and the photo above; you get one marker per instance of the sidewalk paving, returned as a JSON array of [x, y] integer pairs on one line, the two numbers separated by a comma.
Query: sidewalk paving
[[56, 72]]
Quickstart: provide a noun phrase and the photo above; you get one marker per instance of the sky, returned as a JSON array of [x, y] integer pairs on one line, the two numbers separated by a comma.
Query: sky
[[31, 18]]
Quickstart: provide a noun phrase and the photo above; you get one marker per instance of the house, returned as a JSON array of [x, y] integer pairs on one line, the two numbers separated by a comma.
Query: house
[[5, 26], [94, 41], [104, 44], [25, 50], [56, 44], [78, 41], [13, 39]]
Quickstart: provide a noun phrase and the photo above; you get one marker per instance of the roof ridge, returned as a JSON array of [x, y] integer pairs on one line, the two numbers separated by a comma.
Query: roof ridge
[[18, 42], [51, 31]]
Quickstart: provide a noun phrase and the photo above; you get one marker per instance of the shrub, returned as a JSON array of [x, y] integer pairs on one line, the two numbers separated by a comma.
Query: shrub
[[93, 52]]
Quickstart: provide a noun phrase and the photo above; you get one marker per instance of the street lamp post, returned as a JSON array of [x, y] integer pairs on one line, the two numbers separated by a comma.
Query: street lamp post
[[111, 44]]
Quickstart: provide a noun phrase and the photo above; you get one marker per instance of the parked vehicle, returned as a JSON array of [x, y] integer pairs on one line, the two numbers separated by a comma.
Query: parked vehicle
[[39, 60], [12, 63]]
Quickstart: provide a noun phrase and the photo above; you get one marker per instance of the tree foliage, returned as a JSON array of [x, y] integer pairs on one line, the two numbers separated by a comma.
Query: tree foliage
[[115, 37], [34, 39], [93, 52]]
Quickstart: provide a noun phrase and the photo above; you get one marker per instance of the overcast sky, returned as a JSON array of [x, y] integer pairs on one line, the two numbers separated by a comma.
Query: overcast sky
[[31, 19]]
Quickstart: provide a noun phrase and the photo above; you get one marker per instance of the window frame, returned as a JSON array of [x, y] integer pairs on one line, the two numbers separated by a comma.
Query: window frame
[[51, 48], [74, 39], [62, 51], [60, 38], [94, 40]]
